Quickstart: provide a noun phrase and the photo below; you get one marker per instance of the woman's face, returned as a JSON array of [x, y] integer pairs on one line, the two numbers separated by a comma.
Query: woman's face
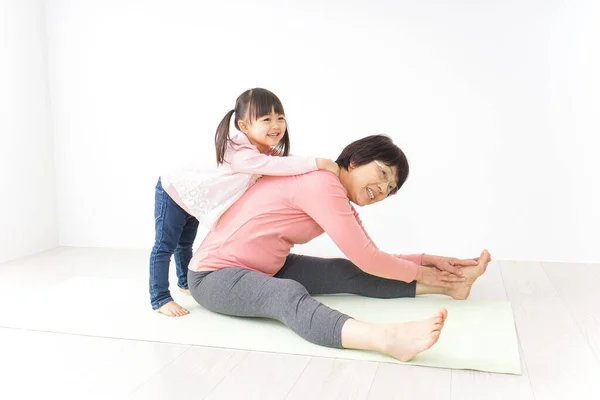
[[370, 183]]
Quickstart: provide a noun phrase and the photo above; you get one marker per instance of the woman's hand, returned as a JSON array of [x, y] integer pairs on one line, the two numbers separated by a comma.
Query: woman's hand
[[436, 277], [328, 165], [449, 264]]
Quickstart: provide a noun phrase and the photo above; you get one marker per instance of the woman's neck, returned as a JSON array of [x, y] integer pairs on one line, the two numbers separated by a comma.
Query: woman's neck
[[344, 176]]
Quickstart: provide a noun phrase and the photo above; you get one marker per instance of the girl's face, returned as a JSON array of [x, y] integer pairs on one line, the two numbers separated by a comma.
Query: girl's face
[[266, 131], [370, 183]]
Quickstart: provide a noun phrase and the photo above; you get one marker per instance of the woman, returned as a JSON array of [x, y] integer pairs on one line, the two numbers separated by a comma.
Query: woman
[[244, 266]]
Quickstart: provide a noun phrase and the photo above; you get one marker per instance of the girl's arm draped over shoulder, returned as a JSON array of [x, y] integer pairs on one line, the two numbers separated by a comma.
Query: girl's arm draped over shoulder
[[245, 157], [324, 199]]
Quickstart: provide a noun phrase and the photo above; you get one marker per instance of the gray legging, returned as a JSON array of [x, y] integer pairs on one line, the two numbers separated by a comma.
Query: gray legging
[[286, 296]]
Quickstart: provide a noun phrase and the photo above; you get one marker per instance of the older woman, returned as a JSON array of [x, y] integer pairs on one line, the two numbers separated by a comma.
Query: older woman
[[244, 266]]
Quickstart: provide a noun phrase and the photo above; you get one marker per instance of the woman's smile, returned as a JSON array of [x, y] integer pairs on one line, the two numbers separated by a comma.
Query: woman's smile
[[370, 193]]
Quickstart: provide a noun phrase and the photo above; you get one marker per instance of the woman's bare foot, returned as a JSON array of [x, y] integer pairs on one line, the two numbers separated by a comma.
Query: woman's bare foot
[[405, 340], [462, 290], [172, 309], [185, 291]]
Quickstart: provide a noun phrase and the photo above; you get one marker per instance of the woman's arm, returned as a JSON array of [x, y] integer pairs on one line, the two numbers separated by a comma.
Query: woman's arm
[[416, 258], [324, 199]]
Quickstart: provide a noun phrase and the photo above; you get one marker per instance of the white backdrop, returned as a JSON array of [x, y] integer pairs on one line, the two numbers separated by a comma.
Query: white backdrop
[[27, 201], [495, 104]]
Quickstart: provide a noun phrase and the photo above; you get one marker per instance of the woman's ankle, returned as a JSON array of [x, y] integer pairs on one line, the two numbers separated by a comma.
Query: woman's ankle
[[428, 289], [364, 336]]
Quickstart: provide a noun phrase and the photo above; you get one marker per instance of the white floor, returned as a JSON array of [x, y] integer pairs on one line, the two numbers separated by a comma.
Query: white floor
[[557, 313]]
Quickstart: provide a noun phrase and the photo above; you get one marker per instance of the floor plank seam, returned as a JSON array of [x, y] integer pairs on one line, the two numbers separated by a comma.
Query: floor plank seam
[[450, 385], [579, 327], [111, 338], [298, 378], [158, 372], [373, 380], [522, 353], [227, 374]]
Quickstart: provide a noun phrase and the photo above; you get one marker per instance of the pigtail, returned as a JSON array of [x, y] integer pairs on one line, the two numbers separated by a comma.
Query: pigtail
[[283, 147], [222, 137]]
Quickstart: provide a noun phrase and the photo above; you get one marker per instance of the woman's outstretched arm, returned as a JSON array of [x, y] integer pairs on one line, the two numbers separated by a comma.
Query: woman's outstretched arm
[[324, 199]]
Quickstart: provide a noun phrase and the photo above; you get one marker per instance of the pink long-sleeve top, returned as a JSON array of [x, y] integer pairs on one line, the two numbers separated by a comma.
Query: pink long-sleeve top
[[258, 231], [206, 193]]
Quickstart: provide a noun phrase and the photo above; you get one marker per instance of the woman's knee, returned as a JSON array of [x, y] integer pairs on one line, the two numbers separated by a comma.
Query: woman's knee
[[291, 289], [347, 270]]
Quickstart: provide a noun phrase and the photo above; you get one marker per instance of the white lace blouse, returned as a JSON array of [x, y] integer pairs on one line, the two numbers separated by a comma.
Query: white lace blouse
[[206, 193]]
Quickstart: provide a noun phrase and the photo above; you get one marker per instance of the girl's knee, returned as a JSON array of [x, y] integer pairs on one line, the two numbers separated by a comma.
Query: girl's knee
[[184, 247], [164, 249]]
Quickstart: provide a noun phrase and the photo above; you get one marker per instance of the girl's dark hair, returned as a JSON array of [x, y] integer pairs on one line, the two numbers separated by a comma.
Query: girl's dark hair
[[251, 105], [375, 147]]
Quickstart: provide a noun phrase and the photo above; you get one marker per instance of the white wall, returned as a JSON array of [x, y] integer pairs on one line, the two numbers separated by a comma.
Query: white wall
[[495, 103], [28, 202]]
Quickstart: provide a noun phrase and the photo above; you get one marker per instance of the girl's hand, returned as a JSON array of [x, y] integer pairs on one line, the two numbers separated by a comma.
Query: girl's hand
[[449, 264], [328, 165]]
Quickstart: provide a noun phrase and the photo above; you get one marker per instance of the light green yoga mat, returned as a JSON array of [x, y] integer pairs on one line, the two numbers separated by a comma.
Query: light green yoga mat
[[478, 335]]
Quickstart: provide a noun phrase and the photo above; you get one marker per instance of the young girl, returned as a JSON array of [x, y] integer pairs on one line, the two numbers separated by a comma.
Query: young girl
[[188, 197]]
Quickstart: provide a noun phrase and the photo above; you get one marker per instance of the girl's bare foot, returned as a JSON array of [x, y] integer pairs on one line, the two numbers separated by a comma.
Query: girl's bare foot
[[405, 340], [462, 290], [172, 309], [185, 291]]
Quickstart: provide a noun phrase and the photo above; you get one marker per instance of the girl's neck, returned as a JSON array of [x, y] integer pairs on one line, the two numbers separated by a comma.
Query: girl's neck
[[264, 149]]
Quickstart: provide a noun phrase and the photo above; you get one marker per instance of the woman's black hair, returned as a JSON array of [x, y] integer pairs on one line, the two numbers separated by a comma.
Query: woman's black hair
[[375, 148]]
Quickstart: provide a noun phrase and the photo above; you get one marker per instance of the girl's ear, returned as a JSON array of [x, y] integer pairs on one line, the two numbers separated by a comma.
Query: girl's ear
[[243, 126], [351, 166]]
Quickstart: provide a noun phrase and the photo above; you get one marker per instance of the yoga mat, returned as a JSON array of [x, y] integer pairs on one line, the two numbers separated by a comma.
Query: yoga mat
[[478, 335]]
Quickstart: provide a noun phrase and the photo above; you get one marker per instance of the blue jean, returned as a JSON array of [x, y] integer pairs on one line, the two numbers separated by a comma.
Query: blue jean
[[175, 234]]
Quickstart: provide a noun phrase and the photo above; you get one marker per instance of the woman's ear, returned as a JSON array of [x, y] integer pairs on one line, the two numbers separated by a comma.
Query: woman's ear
[[351, 166]]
